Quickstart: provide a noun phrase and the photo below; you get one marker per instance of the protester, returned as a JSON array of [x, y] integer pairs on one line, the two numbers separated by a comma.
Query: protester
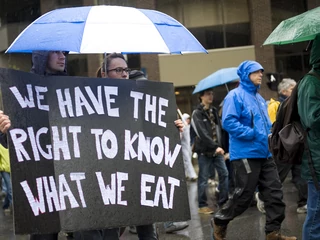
[[309, 109], [5, 173], [186, 149], [45, 63], [284, 90], [206, 124], [246, 120]]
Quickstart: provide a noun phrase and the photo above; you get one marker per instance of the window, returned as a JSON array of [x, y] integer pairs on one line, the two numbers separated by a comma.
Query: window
[[19, 11], [292, 60]]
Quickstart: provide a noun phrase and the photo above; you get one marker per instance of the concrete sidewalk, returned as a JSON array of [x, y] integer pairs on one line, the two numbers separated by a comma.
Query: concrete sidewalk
[[249, 225]]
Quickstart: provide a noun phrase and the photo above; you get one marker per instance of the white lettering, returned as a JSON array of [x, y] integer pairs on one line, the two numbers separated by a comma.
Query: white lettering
[[18, 137], [41, 97], [36, 203], [129, 152], [112, 112], [65, 103], [24, 103], [64, 191], [78, 177], [137, 96], [146, 178], [150, 107]]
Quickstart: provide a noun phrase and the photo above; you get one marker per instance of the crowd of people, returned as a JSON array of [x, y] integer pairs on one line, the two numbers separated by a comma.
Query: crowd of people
[[240, 136]]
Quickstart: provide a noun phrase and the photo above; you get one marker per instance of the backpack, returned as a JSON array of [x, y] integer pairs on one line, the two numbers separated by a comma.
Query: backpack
[[288, 139]]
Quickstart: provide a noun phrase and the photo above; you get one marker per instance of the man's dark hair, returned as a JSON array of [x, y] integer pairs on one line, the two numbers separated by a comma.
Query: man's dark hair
[[202, 93]]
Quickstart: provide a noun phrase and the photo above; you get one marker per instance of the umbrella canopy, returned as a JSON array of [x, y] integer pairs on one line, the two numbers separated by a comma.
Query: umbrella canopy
[[300, 28], [217, 78], [106, 29]]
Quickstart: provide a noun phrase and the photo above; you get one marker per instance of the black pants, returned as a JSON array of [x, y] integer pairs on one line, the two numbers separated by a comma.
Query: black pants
[[105, 234], [300, 184], [263, 174], [53, 236], [147, 232]]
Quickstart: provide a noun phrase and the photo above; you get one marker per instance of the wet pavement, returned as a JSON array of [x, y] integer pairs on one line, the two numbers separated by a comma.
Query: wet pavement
[[250, 225]]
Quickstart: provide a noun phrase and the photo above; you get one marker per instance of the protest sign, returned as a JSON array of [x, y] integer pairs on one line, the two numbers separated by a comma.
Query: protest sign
[[92, 153]]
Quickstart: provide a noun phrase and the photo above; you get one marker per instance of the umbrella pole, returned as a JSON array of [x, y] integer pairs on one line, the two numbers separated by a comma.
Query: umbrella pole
[[226, 87], [105, 64]]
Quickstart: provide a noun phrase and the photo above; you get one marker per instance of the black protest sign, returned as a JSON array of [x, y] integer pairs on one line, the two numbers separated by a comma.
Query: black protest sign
[[92, 153]]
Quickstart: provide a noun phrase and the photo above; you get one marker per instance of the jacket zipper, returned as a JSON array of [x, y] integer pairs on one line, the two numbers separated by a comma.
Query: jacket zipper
[[262, 116]]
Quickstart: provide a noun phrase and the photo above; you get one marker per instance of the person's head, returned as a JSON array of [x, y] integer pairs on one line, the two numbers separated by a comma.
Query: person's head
[[250, 72], [186, 117], [49, 62], [256, 77], [114, 66], [56, 62], [137, 75], [285, 87], [206, 97]]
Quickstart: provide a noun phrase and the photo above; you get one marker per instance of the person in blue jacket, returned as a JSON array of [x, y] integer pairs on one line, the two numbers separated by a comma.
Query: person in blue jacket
[[245, 118]]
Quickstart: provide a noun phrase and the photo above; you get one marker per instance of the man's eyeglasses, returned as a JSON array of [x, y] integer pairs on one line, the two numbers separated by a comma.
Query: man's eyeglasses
[[120, 70]]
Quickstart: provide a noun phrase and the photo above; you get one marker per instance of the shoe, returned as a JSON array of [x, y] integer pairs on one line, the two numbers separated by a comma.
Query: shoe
[[7, 211], [219, 232], [194, 179], [302, 209], [211, 182], [276, 235], [176, 226], [205, 210], [133, 229], [68, 235], [260, 203]]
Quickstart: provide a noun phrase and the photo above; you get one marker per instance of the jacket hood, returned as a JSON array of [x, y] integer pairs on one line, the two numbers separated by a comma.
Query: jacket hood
[[244, 70], [315, 53], [39, 63]]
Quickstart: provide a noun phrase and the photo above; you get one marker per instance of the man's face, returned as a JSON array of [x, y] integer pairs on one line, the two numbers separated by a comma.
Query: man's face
[[207, 97], [256, 77], [288, 91], [56, 61], [117, 68]]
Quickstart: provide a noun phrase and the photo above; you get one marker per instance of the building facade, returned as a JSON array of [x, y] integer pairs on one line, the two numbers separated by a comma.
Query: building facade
[[231, 30]]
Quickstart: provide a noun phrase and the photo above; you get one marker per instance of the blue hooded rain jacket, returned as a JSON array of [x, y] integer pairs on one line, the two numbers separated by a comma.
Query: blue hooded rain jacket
[[245, 117]]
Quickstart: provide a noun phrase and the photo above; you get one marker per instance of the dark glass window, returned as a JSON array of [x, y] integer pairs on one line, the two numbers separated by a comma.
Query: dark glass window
[[15, 11], [77, 65], [292, 60], [212, 37], [134, 61], [238, 34]]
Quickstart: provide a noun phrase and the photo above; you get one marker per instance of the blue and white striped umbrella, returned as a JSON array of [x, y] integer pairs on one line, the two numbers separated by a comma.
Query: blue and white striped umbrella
[[106, 29]]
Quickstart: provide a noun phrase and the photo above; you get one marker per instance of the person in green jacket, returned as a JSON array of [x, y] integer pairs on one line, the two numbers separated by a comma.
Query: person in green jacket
[[309, 112]]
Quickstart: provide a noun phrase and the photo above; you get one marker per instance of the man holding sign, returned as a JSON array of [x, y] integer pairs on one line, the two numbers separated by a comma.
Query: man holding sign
[[44, 63]]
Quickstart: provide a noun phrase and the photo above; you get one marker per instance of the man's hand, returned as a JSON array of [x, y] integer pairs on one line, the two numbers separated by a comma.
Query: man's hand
[[179, 124], [5, 122], [220, 151]]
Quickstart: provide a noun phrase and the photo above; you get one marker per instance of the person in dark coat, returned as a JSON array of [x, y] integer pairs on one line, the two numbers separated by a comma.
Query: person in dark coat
[[309, 108], [206, 124]]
